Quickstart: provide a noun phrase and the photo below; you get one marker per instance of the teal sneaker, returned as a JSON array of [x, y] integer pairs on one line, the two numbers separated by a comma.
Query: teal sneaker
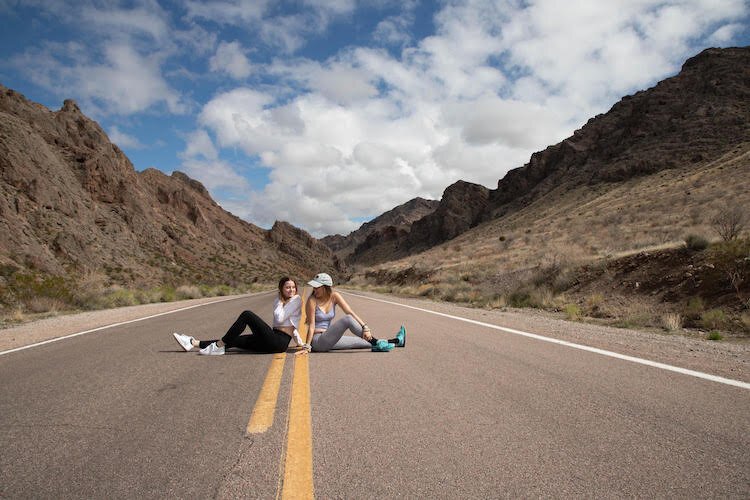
[[401, 337], [383, 346]]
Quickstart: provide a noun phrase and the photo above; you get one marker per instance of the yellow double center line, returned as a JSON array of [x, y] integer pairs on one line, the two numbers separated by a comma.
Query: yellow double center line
[[298, 475]]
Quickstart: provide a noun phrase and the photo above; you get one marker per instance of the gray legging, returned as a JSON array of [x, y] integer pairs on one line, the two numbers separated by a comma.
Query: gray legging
[[333, 338]]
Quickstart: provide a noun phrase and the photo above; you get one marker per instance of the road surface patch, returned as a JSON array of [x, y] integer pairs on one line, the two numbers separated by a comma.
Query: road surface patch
[[647, 362]]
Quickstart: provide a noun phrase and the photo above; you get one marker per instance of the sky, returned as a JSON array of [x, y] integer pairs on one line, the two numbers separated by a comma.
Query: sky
[[327, 113]]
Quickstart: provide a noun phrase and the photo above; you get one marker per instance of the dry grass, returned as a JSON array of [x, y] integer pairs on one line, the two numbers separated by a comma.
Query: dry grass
[[24, 297], [671, 321]]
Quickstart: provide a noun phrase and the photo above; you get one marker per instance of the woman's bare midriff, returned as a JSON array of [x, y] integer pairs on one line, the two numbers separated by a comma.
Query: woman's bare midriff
[[289, 330]]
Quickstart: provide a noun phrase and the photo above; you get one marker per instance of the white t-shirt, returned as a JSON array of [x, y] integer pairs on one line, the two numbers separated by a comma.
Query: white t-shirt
[[288, 314]]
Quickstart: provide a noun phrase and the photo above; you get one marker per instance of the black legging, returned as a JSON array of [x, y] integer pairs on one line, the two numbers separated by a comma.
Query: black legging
[[263, 339]]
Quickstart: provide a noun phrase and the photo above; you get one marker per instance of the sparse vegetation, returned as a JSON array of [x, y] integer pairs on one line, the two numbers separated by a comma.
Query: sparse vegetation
[[730, 222], [572, 312], [695, 308], [713, 319], [715, 336], [732, 258], [696, 243], [28, 295], [671, 321]]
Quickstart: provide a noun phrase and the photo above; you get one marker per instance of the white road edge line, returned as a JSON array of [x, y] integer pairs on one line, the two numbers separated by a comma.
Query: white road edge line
[[611, 354], [57, 339]]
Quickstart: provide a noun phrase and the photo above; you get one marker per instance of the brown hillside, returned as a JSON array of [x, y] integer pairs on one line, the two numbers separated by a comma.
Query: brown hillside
[[683, 122], [71, 203], [616, 250]]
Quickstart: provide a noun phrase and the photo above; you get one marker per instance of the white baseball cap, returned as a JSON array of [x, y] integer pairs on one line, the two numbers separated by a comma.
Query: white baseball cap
[[320, 279]]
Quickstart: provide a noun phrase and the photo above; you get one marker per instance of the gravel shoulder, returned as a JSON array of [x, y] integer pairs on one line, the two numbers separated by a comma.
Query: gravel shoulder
[[726, 358], [729, 358]]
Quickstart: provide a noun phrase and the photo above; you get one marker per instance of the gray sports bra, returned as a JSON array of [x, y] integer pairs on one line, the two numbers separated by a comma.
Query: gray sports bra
[[323, 319]]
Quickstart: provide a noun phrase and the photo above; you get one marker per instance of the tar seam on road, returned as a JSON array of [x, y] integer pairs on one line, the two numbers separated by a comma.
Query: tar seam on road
[[57, 339], [265, 407], [654, 364]]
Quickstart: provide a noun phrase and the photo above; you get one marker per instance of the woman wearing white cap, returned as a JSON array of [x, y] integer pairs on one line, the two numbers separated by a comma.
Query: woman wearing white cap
[[321, 309], [287, 312]]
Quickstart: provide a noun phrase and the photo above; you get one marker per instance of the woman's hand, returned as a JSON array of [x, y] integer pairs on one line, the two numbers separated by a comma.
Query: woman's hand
[[366, 334], [305, 348]]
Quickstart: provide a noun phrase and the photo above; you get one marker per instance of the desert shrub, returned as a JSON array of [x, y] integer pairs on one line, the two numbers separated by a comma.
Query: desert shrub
[[44, 305], [458, 292], [223, 290], [121, 297], [696, 243], [572, 311], [426, 290], [166, 293], [745, 322], [694, 308], [21, 287], [730, 222], [671, 321], [519, 298], [594, 305], [541, 298], [497, 301], [188, 292], [732, 259], [11, 316], [714, 336], [713, 319]]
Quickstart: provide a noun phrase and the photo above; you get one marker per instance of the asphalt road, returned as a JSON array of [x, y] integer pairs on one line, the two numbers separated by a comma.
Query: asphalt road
[[464, 411]]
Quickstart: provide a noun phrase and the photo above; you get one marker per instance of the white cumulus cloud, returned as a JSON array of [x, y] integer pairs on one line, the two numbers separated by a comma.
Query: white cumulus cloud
[[231, 59]]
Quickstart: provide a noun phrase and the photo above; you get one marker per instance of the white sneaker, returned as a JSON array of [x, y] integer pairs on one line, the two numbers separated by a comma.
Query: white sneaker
[[185, 341], [212, 350]]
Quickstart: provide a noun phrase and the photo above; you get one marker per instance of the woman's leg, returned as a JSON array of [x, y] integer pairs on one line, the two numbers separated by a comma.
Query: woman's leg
[[349, 342], [248, 319], [328, 339]]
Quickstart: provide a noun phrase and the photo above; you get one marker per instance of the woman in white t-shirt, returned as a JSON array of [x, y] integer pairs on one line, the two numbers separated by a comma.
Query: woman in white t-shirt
[[287, 311]]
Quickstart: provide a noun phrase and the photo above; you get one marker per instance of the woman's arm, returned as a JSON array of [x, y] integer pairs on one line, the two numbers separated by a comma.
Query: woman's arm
[[291, 309], [310, 313], [338, 299]]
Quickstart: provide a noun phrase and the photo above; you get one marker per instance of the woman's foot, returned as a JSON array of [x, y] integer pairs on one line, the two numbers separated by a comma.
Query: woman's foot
[[185, 341], [401, 337], [212, 350], [382, 346]]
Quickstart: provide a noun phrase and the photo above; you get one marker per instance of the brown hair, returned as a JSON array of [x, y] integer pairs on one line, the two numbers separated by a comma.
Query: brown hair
[[283, 281]]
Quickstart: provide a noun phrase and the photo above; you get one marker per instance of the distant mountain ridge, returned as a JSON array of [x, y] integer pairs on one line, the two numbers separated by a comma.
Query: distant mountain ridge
[[72, 203], [384, 227], [697, 115]]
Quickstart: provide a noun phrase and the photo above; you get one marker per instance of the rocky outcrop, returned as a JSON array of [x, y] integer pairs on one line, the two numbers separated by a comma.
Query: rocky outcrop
[[462, 207], [697, 115], [382, 229], [71, 203]]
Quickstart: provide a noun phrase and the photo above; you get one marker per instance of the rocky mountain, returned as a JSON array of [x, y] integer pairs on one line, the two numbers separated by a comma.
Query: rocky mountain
[[71, 203], [698, 115], [386, 227]]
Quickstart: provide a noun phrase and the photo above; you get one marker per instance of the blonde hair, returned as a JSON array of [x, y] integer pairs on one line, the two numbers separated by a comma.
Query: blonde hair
[[328, 289]]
